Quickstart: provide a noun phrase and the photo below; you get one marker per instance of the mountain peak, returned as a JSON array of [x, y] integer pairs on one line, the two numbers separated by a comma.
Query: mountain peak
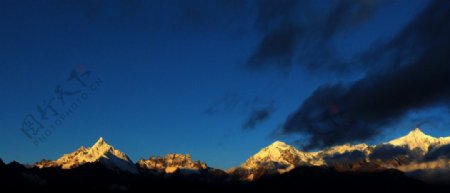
[[416, 132], [415, 139], [99, 152], [278, 157], [279, 144], [274, 151], [100, 141], [101, 146]]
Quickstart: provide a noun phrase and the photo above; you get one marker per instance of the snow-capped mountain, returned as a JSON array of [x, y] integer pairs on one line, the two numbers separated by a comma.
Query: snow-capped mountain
[[285, 156], [100, 152], [280, 157], [417, 139], [172, 163], [407, 153], [275, 158], [340, 149]]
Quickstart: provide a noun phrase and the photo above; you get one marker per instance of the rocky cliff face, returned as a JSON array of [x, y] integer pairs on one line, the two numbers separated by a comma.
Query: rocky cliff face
[[172, 163]]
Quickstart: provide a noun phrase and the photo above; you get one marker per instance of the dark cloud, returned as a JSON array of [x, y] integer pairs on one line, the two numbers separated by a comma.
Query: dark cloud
[[259, 109], [298, 32], [441, 152], [388, 152], [276, 49], [412, 73], [347, 157], [258, 116]]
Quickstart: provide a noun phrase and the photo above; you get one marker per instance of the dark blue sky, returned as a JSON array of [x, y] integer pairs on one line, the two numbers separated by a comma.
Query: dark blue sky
[[184, 76]]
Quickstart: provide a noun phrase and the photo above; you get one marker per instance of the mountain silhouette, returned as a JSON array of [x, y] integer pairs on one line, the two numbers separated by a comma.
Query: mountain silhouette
[[408, 163]]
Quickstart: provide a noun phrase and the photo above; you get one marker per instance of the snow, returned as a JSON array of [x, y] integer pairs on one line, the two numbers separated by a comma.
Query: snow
[[99, 152], [288, 157], [173, 162], [171, 169], [281, 157], [417, 139], [340, 149], [278, 157]]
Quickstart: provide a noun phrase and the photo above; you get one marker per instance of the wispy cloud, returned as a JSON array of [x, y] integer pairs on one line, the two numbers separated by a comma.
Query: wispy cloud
[[258, 116], [297, 32]]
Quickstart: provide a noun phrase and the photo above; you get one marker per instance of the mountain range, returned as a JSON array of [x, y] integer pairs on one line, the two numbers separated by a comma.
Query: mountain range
[[411, 162], [412, 153]]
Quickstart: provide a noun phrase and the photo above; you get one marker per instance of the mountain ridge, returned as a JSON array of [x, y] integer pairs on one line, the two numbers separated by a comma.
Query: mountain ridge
[[396, 154], [277, 158]]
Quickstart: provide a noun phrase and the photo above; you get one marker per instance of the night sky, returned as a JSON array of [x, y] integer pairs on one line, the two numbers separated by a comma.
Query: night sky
[[219, 79]]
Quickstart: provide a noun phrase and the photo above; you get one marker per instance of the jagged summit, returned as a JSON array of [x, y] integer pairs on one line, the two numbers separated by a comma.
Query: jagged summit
[[100, 142], [101, 146], [100, 152], [172, 163]]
